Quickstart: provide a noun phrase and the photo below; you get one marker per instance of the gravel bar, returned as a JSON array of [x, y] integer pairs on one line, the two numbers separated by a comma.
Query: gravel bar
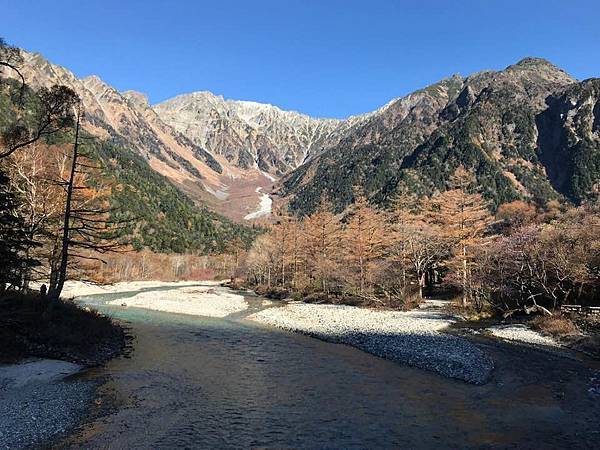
[[412, 337], [197, 301], [38, 407], [521, 333]]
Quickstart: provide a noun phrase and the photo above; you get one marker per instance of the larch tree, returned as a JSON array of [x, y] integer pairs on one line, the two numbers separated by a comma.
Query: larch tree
[[516, 214], [425, 250], [322, 236], [236, 248], [87, 229], [262, 259], [364, 239], [463, 219], [281, 233], [295, 248], [404, 213]]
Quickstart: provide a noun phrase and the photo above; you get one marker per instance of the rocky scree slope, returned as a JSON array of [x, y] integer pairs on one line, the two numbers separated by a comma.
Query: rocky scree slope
[[250, 134]]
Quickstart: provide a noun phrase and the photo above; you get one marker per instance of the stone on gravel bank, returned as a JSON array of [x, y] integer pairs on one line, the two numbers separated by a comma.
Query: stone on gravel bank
[[411, 337]]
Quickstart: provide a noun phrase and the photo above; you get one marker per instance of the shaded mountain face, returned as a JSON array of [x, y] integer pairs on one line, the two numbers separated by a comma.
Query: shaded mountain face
[[569, 139], [529, 131]]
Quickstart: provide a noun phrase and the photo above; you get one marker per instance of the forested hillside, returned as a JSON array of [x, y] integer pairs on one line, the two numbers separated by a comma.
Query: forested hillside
[[166, 220], [529, 132], [159, 216]]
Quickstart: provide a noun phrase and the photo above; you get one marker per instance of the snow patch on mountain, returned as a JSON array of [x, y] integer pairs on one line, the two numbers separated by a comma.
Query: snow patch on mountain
[[264, 207]]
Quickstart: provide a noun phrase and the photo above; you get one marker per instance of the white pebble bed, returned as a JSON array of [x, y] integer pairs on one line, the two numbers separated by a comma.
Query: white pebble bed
[[412, 337], [37, 405], [75, 288], [521, 333], [350, 318], [196, 301]]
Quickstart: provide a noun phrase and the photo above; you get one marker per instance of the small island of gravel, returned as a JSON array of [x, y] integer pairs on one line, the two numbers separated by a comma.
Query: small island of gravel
[[412, 337], [191, 300]]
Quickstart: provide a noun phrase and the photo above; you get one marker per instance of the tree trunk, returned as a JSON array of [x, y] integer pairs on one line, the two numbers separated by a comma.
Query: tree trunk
[[421, 284], [56, 289], [464, 275]]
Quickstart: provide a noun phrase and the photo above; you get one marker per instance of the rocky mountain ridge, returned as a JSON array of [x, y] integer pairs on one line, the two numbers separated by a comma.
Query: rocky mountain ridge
[[250, 134], [128, 119], [529, 131]]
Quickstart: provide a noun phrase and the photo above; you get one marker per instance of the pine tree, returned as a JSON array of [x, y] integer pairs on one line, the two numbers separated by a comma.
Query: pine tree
[[13, 240]]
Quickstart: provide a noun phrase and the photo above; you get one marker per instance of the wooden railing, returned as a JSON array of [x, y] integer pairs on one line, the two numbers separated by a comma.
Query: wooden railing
[[593, 311]]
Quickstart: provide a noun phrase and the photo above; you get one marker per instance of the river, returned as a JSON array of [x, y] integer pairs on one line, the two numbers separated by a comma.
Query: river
[[193, 382]]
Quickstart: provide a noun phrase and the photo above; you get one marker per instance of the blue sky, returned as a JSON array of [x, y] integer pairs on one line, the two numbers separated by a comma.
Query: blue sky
[[327, 58]]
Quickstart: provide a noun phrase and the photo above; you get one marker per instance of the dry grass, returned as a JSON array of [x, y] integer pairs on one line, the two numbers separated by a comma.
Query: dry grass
[[556, 325]]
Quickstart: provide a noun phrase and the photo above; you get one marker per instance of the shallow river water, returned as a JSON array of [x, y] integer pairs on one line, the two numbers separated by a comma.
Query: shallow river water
[[195, 382]]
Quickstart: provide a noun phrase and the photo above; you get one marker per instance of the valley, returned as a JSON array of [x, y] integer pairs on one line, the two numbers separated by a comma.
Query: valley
[[220, 151], [184, 269]]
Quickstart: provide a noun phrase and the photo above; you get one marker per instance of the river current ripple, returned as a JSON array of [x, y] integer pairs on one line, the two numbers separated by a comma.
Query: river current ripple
[[193, 382]]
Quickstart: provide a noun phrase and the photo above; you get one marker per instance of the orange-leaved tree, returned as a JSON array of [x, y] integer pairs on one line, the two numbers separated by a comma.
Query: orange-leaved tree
[[463, 219], [322, 237], [365, 239]]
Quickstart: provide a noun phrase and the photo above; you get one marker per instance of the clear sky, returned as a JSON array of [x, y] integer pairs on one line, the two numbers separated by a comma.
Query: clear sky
[[327, 58]]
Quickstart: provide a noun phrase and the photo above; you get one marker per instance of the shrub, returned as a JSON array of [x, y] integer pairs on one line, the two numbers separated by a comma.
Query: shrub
[[556, 325]]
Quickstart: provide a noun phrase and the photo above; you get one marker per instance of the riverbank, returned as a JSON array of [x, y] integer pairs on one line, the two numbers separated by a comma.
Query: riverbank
[[44, 342], [202, 382], [38, 404], [35, 326], [413, 337]]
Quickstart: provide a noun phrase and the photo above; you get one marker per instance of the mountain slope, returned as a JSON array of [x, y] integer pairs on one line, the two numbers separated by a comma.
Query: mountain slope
[[516, 129], [127, 118], [569, 139], [251, 134], [529, 131], [163, 218]]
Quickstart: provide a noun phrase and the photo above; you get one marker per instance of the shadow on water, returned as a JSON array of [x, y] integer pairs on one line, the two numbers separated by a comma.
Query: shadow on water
[[213, 383]]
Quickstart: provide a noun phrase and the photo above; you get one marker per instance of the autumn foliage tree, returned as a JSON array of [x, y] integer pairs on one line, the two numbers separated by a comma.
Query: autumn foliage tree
[[463, 219], [526, 258], [405, 215], [364, 236], [322, 237]]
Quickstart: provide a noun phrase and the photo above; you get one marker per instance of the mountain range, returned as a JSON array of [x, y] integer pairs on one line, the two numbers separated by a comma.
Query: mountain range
[[529, 131]]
